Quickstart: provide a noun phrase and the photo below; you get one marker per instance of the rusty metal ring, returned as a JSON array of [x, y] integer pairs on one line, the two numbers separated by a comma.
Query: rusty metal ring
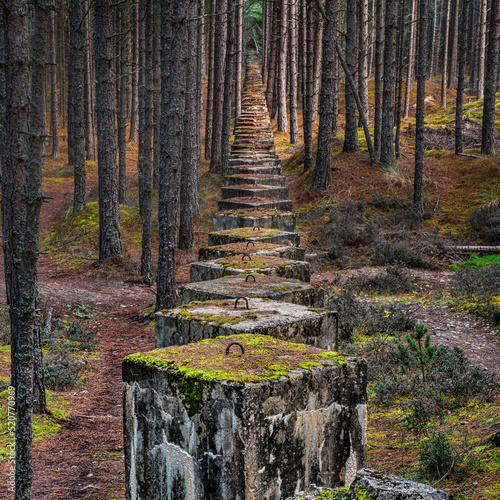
[[237, 300], [235, 343], [246, 255], [251, 276], [257, 227], [248, 243]]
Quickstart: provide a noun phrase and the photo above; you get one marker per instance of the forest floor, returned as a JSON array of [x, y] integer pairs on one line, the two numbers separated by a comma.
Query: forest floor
[[78, 450]]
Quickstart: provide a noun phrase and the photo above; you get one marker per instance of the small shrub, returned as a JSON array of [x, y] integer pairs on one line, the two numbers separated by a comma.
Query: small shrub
[[436, 455], [424, 407], [386, 203], [62, 370], [484, 223], [85, 338], [388, 253], [394, 279], [481, 282], [400, 220]]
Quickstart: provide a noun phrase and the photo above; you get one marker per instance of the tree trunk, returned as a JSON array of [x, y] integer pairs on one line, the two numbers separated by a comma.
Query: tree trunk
[[318, 36], [134, 107], [309, 87], [445, 59], [491, 82], [387, 136], [77, 42], [399, 79], [219, 56], [156, 99], [69, 93], [210, 86], [54, 101], [109, 213], [453, 50], [474, 43], [88, 104], [321, 177], [271, 71], [411, 57], [228, 87], [21, 199], [282, 68], [461, 77], [418, 186], [189, 171], [239, 58], [146, 140], [379, 61], [294, 126], [482, 49], [434, 46], [172, 129], [122, 111], [351, 144], [363, 54]]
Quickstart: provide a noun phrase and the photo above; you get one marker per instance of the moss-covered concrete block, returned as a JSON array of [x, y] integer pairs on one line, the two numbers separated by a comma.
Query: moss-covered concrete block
[[272, 219], [261, 235], [263, 179], [256, 263], [203, 320], [254, 161], [256, 190], [250, 202], [254, 169], [200, 425], [242, 247], [255, 285]]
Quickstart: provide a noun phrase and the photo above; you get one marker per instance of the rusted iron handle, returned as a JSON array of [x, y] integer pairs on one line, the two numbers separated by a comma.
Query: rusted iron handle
[[235, 343], [257, 227], [237, 300], [251, 276], [246, 255], [248, 243]]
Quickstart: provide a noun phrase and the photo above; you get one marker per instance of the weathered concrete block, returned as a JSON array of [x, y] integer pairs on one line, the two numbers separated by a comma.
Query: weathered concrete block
[[268, 219], [200, 425], [371, 484], [254, 161], [203, 320], [263, 179], [255, 169], [263, 264], [272, 249], [261, 235], [257, 190], [249, 202], [262, 286]]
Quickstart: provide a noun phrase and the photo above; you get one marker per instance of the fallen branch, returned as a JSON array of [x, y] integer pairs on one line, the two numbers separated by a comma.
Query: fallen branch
[[469, 156], [473, 248]]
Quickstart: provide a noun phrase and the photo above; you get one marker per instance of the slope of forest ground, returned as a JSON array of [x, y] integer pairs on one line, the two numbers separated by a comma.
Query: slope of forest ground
[[384, 272]]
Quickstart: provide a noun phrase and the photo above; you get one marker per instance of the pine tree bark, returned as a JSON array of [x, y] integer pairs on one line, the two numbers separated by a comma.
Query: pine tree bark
[[399, 77], [418, 186], [172, 129], [228, 86], [146, 140], [271, 71], [294, 127], [445, 52], [309, 87], [434, 46], [351, 143], [387, 137], [77, 42], [321, 176], [318, 37], [109, 214], [21, 200], [54, 100], [282, 66], [218, 104], [379, 62], [411, 57], [134, 107], [461, 77], [122, 110], [69, 93], [238, 59], [189, 172], [156, 99], [482, 49], [474, 43], [88, 104], [210, 85], [454, 46], [491, 81], [363, 54]]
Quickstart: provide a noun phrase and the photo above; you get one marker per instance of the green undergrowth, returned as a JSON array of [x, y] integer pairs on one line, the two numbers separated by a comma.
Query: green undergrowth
[[44, 426], [206, 361], [475, 260]]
